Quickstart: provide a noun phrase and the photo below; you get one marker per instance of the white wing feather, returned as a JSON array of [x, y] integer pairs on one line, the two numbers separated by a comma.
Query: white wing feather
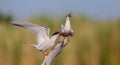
[[62, 28], [41, 32]]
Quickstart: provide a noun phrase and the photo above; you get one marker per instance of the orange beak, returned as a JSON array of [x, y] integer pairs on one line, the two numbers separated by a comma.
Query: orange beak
[[69, 15]]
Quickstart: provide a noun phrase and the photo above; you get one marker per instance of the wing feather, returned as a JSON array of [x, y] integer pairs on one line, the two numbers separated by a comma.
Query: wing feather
[[62, 28], [41, 32]]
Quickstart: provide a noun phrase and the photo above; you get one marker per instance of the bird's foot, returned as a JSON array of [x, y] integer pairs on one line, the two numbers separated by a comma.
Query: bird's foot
[[46, 53]]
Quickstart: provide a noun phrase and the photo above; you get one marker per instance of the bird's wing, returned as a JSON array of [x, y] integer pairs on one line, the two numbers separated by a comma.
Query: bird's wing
[[62, 28], [41, 32]]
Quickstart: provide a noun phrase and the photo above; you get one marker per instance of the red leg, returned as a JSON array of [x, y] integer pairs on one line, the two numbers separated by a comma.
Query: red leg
[[46, 53]]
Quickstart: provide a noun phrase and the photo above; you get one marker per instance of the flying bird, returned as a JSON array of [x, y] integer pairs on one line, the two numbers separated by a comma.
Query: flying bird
[[66, 29], [44, 41]]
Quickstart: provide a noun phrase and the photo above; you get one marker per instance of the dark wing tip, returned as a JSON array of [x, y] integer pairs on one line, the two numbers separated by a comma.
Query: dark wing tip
[[17, 24], [55, 33]]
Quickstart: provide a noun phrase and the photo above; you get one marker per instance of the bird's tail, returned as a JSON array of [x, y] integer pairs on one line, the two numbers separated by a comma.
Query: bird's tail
[[30, 45]]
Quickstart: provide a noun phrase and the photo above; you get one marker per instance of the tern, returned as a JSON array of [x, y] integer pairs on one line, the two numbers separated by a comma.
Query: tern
[[66, 29], [44, 42]]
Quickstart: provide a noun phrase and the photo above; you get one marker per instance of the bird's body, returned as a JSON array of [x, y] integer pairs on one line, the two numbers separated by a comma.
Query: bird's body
[[66, 29], [44, 42]]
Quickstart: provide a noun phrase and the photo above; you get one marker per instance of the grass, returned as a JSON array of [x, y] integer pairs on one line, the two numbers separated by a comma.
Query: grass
[[93, 43]]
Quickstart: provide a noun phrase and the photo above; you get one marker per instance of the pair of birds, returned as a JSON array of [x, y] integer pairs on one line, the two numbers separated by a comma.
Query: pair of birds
[[45, 42]]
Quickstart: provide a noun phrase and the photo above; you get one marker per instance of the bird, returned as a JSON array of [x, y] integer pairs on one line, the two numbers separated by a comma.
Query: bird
[[66, 29], [44, 41]]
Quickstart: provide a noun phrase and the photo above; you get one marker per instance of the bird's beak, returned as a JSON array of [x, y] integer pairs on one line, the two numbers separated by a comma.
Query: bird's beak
[[69, 15]]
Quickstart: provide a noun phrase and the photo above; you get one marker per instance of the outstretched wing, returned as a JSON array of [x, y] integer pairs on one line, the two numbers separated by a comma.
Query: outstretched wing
[[41, 32]]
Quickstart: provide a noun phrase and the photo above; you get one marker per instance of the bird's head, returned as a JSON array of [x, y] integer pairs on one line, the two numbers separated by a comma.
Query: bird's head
[[69, 16]]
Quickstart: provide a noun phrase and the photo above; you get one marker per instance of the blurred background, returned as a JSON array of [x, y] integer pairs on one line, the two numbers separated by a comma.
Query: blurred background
[[96, 25]]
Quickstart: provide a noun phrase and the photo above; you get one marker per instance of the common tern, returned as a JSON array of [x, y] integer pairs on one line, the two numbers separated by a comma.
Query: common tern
[[66, 29], [44, 42]]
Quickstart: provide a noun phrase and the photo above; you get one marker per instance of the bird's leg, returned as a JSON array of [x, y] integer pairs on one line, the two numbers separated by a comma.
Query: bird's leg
[[45, 53]]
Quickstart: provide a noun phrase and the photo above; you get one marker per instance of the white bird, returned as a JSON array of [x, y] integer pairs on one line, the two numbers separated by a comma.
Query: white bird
[[66, 29], [44, 42]]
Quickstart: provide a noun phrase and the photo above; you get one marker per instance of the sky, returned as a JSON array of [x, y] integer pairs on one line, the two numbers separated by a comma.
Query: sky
[[23, 9]]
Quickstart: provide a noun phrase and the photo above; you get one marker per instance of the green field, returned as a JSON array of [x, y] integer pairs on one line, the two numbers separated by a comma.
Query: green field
[[95, 42]]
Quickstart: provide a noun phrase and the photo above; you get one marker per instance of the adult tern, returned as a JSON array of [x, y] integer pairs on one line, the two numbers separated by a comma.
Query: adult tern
[[66, 29], [44, 42]]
